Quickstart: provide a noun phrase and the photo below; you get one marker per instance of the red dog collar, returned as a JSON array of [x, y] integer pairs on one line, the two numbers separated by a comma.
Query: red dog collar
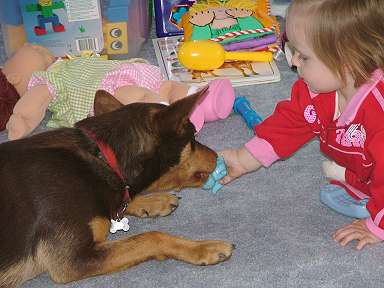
[[110, 158]]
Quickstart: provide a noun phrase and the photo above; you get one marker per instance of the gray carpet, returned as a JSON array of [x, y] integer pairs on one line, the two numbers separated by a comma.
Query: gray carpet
[[281, 230]]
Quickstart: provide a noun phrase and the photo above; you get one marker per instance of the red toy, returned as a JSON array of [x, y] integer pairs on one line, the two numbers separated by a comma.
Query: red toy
[[8, 99]]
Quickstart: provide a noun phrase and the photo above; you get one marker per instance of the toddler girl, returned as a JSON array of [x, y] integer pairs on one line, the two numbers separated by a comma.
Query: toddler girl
[[339, 98]]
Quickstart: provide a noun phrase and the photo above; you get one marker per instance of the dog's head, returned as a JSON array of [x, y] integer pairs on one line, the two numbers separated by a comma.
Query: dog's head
[[154, 144]]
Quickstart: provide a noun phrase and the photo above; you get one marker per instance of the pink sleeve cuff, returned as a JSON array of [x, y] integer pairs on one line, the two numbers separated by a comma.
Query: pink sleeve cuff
[[36, 81], [262, 151], [378, 232]]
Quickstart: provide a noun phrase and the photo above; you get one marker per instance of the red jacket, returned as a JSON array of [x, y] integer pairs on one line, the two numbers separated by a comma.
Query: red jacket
[[354, 140]]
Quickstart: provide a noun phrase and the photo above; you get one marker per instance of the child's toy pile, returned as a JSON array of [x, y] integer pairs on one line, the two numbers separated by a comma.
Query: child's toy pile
[[241, 25], [72, 27], [221, 39]]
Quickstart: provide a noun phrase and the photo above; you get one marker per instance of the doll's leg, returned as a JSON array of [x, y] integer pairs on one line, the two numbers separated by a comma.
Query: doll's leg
[[132, 94], [217, 104], [28, 112]]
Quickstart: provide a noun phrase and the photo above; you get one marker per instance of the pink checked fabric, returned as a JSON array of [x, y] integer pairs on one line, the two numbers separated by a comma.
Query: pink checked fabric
[[39, 80], [36, 80], [140, 74]]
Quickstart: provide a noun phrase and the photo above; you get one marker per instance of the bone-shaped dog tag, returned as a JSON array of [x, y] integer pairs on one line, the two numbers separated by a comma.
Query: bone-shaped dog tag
[[119, 225]]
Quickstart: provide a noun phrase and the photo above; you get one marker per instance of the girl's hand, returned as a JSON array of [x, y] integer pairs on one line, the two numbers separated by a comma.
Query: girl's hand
[[357, 230], [238, 162]]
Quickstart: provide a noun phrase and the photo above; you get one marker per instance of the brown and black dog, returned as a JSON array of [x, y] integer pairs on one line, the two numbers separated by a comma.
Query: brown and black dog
[[59, 190]]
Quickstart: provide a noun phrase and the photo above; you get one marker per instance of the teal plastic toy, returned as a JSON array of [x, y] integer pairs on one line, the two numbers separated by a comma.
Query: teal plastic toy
[[242, 107], [336, 198], [214, 178]]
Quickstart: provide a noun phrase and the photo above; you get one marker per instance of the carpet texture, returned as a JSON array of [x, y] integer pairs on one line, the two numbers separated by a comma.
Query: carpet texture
[[281, 230]]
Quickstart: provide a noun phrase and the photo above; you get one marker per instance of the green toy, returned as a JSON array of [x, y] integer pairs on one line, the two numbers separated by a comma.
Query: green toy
[[46, 7]]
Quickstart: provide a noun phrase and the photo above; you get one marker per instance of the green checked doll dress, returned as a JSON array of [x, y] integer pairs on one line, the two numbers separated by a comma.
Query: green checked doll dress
[[73, 84]]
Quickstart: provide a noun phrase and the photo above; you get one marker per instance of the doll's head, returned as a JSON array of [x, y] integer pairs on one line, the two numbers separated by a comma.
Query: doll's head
[[347, 36], [26, 60]]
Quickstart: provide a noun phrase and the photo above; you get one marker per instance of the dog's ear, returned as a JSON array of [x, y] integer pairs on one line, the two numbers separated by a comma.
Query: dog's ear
[[176, 116], [105, 102]]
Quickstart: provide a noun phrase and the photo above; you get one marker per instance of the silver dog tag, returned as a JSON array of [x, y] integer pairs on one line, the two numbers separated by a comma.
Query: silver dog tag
[[119, 225]]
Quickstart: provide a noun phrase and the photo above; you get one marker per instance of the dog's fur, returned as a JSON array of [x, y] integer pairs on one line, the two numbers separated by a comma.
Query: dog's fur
[[57, 195]]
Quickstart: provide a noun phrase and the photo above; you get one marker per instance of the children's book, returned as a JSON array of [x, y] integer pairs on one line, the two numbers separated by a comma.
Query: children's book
[[239, 72]]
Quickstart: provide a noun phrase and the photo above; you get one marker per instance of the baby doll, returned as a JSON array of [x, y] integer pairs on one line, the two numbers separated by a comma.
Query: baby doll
[[67, 88]]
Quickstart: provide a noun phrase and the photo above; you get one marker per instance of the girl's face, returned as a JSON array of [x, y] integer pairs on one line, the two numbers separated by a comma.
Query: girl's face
[[318, 77]]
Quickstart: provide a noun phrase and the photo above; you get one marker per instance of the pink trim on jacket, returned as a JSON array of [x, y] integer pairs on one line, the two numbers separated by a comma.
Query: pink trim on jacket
[[262, 151], [312, 94], [378, 217], [355, 193], [353, 106], [378, 232], [379, 97]]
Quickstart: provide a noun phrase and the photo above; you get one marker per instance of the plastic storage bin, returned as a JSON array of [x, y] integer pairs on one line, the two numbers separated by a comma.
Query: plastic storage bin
[[125, 27]]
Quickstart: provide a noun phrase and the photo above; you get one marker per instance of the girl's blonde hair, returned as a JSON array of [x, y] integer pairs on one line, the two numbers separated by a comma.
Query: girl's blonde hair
[[344, 34]]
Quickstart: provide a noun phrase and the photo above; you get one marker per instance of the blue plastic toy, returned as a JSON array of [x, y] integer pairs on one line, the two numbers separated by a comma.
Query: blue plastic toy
[[168, 15], [176, 16], [10, 12], [242, 107], [213, 179], [336, 198], [116, 10]]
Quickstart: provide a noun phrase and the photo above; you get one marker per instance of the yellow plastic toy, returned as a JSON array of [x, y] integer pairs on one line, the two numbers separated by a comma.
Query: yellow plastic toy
[[205, 55], [115, 37]]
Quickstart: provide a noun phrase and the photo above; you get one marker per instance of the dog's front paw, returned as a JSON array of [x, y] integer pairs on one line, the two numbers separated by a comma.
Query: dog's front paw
[[210, 252], [153, 205]]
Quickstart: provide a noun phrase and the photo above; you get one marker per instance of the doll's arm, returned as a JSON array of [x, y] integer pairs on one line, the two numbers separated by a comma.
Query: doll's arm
[[132, 93], [171, 91], [28, 112]]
